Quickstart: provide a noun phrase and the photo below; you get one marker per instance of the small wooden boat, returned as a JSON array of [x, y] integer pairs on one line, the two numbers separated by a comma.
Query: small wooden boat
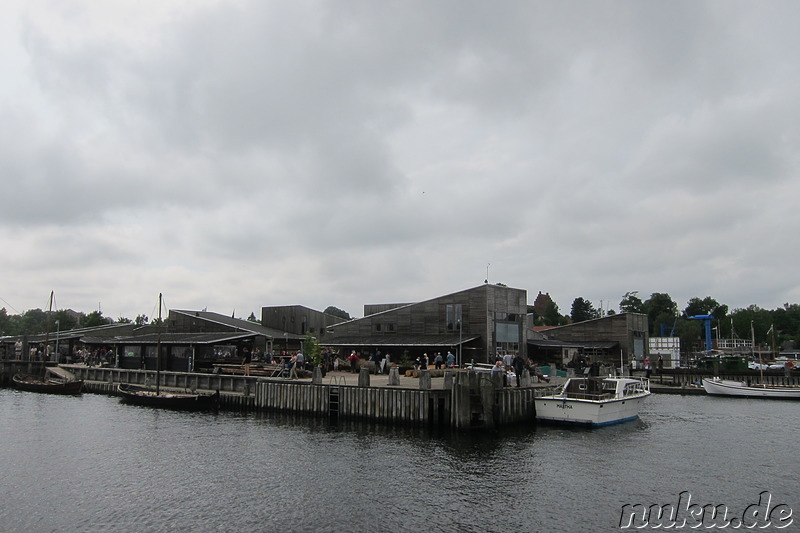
[[189, 401], [47, 384], [725, 387]]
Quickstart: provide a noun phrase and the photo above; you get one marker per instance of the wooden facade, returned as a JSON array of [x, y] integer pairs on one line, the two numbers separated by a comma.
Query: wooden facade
[[486, 320], [624, 335]]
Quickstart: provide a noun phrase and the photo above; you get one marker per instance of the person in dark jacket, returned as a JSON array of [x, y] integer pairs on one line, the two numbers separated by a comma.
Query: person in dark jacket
[[519, 365]]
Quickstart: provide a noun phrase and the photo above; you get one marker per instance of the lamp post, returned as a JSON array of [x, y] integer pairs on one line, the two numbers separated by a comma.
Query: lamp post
[[58, 330], [460, 345]]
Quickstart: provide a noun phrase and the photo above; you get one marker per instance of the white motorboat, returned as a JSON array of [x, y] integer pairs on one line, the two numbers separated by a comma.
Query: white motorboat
[[726, 387], [594, 401]]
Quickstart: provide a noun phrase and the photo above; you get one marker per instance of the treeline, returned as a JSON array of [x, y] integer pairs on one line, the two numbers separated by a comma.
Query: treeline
[[36, 321], [778, 327]]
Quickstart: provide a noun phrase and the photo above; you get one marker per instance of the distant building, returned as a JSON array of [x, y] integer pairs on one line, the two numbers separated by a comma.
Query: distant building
[[614, 338], [541, 303], [483, 321], [298, 320]]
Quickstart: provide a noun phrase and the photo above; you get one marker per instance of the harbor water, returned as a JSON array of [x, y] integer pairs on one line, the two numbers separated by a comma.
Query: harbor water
[[92, 464]]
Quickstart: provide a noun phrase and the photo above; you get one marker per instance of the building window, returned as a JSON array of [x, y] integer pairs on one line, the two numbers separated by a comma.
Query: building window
[[390, 327], [453, 316], [377, 327]]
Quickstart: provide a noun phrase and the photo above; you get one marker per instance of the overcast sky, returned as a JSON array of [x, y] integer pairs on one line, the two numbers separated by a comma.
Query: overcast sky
[[239, 154]]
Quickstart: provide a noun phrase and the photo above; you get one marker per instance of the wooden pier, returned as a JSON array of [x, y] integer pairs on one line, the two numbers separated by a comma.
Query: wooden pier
[[461, 399]]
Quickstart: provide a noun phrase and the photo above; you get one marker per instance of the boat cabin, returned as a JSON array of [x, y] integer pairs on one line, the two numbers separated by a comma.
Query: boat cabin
[[597, 389]]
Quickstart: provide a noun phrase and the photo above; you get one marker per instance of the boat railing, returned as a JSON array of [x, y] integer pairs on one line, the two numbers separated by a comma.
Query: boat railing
[[573, 395]]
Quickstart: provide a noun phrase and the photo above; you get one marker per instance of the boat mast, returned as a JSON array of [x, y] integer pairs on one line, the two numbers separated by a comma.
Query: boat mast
[[47, 331], [760, 364], [158, 348]]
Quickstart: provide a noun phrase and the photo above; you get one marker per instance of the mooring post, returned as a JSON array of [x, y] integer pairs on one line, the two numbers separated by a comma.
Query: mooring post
[[363, 377], [424, 380], [394, 376], [448, 379], [316, 375], [488, 386]]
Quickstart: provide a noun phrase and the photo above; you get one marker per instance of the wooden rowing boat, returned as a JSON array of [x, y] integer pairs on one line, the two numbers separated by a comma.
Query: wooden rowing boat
[[46, 384]]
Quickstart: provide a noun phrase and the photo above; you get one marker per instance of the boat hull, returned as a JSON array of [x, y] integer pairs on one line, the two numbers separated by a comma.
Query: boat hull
[[48, 386], [144, 396], [552, 409], [724, 387]]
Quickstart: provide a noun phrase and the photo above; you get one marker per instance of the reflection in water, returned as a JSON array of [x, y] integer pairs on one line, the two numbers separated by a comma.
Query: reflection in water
[[93, 464]]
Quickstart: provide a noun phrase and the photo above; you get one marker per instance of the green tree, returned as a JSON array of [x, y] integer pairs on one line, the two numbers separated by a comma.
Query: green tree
[[93, 319], [141, 320], [706, 306], [66, 320], [753, 316], [582, 310], [311, 350], [552, 317], [335, 311], [5, 322], [631, 303], [660, 308], [34, 321], [787, 323]]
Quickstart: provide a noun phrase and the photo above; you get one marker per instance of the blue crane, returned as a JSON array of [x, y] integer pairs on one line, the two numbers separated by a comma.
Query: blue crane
[[707, 322]]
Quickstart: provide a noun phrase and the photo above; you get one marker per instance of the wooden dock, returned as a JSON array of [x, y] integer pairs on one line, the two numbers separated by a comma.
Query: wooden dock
[[460, 399]]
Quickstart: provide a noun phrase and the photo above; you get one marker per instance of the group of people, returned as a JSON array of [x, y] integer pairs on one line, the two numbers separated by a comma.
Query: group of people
[[516, 365], [439, 361], [382, 362]]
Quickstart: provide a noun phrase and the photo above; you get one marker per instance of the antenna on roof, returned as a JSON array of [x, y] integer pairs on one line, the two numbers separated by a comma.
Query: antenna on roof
[[487, 273]]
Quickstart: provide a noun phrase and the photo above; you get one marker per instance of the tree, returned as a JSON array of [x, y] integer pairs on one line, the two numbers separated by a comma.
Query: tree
[[141, 320], [252, 317], [5, 322], [582, 310], [660, 309], [631, 303], [95, 318], [706, 306], [33, 321], [66, 320], [335, 311], [311, 350], [552, 317]]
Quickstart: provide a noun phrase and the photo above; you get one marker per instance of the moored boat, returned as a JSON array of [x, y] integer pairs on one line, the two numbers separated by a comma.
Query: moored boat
[[190, 401], [594, 401], [46, 384], [726, 387]]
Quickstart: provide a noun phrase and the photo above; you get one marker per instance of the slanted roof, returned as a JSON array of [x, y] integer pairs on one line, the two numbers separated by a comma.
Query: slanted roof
[[173, 338], [238, 323]]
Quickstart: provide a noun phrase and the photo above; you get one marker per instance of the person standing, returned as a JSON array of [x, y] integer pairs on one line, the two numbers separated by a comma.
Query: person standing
[[438, 360], [353, 360], [519, 365], [246, 360], [293, 367], [507, 360], [451, 360]]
